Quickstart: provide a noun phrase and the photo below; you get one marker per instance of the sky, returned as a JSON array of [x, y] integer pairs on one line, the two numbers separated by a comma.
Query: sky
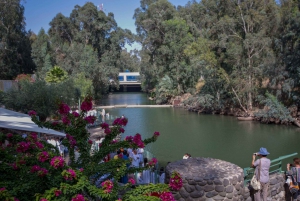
[[39, 13]]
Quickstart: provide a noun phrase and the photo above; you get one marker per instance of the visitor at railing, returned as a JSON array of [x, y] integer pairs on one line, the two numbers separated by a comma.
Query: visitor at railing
[[262, 167]]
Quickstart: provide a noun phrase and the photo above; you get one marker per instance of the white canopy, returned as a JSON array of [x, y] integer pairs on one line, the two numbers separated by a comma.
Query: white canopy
[[19, 121]]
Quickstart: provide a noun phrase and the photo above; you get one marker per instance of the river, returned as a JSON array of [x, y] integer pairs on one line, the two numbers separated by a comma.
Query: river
[[214, 136]]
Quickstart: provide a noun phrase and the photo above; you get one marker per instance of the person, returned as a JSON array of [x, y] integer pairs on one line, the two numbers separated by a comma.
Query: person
[[294, 171], [135, 159], [262, 167], [186, 156]]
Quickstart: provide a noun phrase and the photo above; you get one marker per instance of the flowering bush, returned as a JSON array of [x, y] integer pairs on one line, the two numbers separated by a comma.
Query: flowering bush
[[47, 175], [175, 181]]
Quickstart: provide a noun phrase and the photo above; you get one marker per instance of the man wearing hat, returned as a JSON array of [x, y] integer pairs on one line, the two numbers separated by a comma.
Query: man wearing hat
[[262, 167]]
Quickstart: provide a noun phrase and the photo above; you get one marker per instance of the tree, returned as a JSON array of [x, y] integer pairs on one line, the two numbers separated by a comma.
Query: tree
[[56, 75], [14, 42]]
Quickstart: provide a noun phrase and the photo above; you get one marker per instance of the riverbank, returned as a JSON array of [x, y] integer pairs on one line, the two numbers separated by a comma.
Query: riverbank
[[133, 106], [264, 115]]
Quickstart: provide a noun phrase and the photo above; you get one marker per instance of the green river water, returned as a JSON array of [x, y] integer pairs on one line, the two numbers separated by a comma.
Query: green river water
[[215, 136]]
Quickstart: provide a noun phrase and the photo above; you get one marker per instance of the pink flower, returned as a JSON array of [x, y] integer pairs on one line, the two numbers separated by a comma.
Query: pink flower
[[107, 131], [57, 162], [113, 142], [16, 199], [175, 181], [42, 172], [86, 105], [39, 145], [35, 168], [32, 113], [121, 130], [54, 123], [65, 120], [78, 197], [9, 135], [120, 121], [107, 186], [69, 174], [81, 169], [14, 166], [90, 142], [57, 193], [129, 138], [167, 196], [2, 189], [137, 139], [43, 156], [104, 125], [43, 199], [75, 114], [63, 109], [71, 140], [33, 136], [90, 119], [131, 181], [22, 147], [156, 134]]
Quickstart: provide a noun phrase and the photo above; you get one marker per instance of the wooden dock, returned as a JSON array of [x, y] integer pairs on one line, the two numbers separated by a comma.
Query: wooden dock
[[133, 106]]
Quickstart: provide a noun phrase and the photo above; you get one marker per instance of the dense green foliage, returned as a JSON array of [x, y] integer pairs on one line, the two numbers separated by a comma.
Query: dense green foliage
[[236, 50], [15, 49], [40, 96]]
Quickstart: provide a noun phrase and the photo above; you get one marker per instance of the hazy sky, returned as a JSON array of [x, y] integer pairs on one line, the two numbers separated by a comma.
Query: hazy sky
[[39, 13]]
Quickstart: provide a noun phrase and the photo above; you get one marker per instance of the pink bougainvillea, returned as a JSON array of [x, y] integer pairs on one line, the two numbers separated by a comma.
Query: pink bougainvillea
[[167, 196], [57, 162], [9, 135], [66, 120], [35, 168], [43, 199], [71, 140], [156, 134], [23, 146], [107, 131], [69, 174], [104, 125], [43, 156], [86, 105], [175, 181], [78, 197], [90, 119], [152, 162], [42, 172], [120, 121], [63, 109], [137, 139], [107, 186], [75, 114], [32, 113], [132, 181], [57, 193]]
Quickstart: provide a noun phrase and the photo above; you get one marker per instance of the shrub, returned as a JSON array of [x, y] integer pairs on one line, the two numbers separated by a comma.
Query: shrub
[[32, 168]]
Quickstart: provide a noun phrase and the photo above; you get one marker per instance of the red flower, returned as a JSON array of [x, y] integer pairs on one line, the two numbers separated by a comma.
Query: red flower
[[57, 193], [90, 119], [86, 105], [65, 120], [63, 109], [9, 135], [75, 114], [156, 134], [90, 142], [32, 113], [104, 125]]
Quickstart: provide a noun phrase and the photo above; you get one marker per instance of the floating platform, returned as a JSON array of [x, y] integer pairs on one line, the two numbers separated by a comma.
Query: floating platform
[[133, 106]]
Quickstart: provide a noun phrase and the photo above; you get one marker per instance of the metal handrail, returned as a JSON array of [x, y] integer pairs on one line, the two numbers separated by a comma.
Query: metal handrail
[[249, 171]]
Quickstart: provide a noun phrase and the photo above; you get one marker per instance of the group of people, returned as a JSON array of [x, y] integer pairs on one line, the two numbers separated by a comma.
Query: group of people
[[262, 166]]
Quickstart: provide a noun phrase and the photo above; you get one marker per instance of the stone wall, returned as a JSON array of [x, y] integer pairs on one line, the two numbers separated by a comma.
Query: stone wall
[[212, 179], [208, 179]]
